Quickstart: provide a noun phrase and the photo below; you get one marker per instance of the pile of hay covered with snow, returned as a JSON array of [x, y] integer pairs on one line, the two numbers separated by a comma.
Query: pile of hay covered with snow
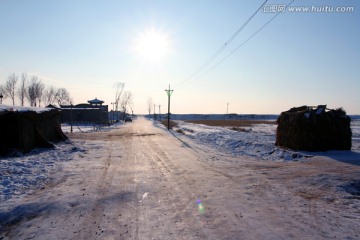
[[24, 128], [314, 129]]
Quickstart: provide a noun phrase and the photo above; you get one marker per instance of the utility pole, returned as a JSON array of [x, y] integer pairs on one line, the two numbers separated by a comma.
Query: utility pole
[[154, 112], [71, 117], [132, 111], [227, 112], [159, 112], [113, 113], [169, 92]]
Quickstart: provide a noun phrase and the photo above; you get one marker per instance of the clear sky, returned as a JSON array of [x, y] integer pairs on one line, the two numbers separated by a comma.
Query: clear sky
[[300, 58]]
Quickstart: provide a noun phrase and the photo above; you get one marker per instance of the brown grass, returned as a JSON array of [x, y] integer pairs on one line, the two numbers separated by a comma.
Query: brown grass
[[172, 124], [231, 123]]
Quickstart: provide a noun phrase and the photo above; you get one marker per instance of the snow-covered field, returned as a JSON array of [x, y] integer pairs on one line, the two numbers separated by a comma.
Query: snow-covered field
[[257, 141]]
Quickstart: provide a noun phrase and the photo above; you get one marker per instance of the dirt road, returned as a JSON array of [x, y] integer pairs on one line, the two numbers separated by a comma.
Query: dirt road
[[141, 182]]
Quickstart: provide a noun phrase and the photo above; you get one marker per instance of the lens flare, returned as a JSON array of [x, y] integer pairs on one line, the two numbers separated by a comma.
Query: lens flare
[[201, 208]]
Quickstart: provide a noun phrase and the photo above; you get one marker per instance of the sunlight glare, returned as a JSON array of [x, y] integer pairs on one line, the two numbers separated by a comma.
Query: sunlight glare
[[152, 46]]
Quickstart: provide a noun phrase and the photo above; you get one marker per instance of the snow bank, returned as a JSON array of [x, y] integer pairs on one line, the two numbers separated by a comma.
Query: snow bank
[[355, 128], [24, 173], [257, 141]]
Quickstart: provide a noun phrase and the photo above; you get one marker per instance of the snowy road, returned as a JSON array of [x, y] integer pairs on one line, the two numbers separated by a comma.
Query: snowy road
[[140, 182]]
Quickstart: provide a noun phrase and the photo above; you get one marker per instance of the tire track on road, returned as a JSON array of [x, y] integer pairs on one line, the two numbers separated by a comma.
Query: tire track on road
[[90, 224], [176, 191]]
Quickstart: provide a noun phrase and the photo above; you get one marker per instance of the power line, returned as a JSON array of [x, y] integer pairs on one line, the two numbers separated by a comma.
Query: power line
[[242, 44], [169, 92], [227, 43]]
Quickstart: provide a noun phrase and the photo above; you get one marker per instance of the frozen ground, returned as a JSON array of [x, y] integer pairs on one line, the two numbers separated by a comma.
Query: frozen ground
[[138, 181]]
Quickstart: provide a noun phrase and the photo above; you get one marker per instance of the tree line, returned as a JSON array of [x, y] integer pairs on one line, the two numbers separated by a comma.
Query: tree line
[[33, 90]]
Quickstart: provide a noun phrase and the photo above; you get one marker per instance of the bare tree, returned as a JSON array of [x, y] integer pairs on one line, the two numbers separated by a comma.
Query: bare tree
[[62, 96], [39, 91], [10, 86], [126, 100], [21, 92], [119, 87], [2, 93], [35, 91], [49, 95], [31, 93], [149, 104]]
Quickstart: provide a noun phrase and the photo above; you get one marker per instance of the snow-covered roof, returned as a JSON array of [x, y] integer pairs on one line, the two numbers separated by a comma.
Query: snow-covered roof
[[10, 108]]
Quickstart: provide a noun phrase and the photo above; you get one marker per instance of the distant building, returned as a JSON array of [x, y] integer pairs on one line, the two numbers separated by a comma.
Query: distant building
[[94, 112]]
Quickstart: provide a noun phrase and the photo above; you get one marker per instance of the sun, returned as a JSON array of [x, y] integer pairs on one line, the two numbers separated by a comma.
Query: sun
[[152, 46]]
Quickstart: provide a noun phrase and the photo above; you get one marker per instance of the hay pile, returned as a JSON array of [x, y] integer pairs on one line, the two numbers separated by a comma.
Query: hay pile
[[314, 129], [25, 130]]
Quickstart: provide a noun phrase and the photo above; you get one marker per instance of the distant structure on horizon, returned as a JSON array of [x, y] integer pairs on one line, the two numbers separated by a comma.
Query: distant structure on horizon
[[93, 112]]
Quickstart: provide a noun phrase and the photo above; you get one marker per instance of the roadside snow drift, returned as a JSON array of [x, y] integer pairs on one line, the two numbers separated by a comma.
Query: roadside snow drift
[[22, 174], [257, 141]]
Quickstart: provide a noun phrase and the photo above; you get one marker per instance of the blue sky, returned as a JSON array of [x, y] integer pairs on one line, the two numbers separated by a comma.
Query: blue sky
[[86, 46]]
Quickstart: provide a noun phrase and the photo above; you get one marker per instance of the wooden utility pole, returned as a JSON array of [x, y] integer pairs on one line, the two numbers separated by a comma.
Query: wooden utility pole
[[169, 92], [154, 112], [113, 113], [159, 112], [71, 118]]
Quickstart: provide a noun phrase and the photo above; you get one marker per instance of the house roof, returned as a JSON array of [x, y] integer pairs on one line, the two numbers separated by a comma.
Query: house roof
[[96, 101]]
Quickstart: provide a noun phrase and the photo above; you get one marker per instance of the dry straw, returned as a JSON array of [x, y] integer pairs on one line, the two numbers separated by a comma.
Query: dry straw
[[314, 129]]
